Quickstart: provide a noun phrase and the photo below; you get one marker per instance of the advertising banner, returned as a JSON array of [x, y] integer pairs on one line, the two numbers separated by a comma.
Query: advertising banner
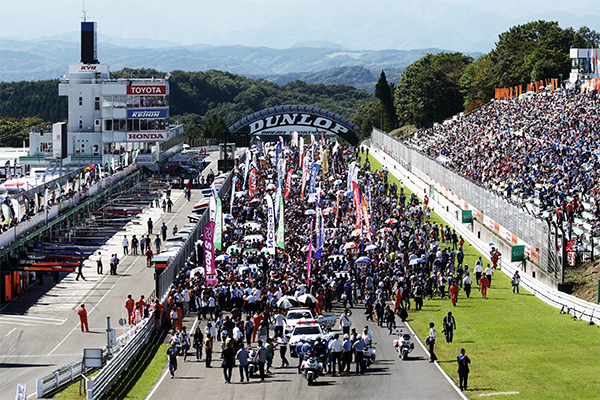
[[270, 225], [210, 271]]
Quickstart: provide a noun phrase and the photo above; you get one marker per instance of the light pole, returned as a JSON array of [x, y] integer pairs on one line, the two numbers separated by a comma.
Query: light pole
[[560, 80]]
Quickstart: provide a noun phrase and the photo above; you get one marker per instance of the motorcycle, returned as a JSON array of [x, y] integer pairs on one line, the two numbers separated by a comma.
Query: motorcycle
[[369, 356], [404, 345], [311, 369]]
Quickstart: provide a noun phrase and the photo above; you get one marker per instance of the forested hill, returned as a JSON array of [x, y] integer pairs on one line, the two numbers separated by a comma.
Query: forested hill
[[194, 95]]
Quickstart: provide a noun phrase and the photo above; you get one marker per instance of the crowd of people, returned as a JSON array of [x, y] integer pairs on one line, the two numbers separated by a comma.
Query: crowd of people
[[410, 258], [540, 146]]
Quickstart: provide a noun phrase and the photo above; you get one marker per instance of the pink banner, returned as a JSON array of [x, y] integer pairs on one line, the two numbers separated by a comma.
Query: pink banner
[[288, 184], [356, 193], [309, 253], [210, 272]]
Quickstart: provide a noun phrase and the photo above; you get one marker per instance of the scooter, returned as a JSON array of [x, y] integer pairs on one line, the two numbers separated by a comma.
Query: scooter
[[404, 345], [311, 369], [369, 356]]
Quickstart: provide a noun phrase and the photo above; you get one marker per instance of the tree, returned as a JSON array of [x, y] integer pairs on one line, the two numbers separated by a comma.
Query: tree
[[215, 127], [366, 118], [388, 112], [477, 83], [428, 91]]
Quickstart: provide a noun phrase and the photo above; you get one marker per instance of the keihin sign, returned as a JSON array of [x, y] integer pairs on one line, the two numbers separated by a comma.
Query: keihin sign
[[281, 121]]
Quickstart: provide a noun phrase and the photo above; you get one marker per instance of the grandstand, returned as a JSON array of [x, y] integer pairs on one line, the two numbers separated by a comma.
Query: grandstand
[[540, 151]]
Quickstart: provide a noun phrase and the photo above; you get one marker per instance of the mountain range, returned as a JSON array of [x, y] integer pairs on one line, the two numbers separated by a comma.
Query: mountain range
[[313, 62]]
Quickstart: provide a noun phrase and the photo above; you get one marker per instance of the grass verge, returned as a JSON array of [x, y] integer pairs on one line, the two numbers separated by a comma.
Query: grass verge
[[517, 343]]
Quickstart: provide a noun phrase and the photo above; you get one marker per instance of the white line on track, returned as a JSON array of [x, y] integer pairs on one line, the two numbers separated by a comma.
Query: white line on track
[[13, 329], [30, 317], [164, 375]]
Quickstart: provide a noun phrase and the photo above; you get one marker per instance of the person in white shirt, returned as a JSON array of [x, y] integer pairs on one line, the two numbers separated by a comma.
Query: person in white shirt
[[209, 329], [489, 272], [125, 246], [345, 322], [478, 270], [186, 301], [279, 323], [431, 342], [367, 336], [467, 282], [337, 349]]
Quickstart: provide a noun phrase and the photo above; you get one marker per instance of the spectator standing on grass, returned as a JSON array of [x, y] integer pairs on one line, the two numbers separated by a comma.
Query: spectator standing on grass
[[478, 270], [488, 273], [516, 281], [463, 369], [453, 292], [430, 341], [449, 325], [484, 284], [467, 282]]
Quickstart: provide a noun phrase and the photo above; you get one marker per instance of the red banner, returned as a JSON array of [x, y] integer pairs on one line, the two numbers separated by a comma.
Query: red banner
[[356, 194], [288, 183], [252, 187], [147, 90]]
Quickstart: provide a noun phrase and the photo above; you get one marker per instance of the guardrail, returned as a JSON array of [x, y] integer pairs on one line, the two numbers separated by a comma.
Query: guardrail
[[99, 384]]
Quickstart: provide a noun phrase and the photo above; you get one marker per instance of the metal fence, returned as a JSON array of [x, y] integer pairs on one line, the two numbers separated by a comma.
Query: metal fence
[[531, 230], [166, 278]]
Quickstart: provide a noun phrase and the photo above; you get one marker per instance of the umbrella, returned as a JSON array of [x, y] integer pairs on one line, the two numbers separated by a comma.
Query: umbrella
[[307, 299], [271, 186], [416, 261], [391, 221], [355, 232], [285, 303], [222, 257], [328, 210], [228, 216], [371, 247], [338, 182], [385, 230], [363, 259], [350, 245], [309, 212]]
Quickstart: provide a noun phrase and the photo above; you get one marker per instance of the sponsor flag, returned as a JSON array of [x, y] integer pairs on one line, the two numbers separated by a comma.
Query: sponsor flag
[[350, 176], [304, 176], [277, 197], [233, 182], [319, 227], [7, 170], [288, 183], [325, 162], [302, 146], [356, 194], [270, 226], [281, 226], [309, 253], [210, 271], [252, 185], [313, 181], [337, 207], [218, 235], [295, 138], [246, 167], [212, 209]]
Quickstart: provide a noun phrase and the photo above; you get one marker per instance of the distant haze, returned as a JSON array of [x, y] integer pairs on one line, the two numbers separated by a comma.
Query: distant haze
[[459, 25]]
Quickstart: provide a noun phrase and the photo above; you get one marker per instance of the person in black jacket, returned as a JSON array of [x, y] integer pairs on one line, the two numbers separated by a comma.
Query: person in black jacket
[[463, 369]]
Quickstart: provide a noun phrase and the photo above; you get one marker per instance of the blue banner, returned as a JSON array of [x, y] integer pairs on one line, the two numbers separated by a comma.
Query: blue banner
[[313, 180]]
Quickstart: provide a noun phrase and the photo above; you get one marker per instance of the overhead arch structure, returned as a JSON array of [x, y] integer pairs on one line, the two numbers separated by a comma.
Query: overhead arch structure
[[283, 120]]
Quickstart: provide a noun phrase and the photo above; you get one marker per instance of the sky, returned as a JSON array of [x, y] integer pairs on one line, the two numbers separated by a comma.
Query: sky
[[460, 25]]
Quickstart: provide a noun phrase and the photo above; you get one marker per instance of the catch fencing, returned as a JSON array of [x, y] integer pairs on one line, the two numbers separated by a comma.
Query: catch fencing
[[517, 220]]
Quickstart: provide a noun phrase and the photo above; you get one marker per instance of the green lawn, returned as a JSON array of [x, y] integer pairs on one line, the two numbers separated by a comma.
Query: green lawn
[[516, 343], [135, 382]]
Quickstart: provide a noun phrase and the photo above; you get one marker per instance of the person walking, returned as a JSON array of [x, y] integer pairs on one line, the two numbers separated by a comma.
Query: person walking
[[463, 369], [113, 264], [125, 246], [150, 225], [282, 342], [175, 230], [157, 244], [228, 356], [467, 282], [134, 245], [198, 342], [345, 322], [488, 273], [149, 256], [169, 204], [82, 312], [242, 356], [208, 347], [80, 272], [516, 281], [346, 354], [262, 359], [172, 355], [449, 325], [390, 319], [453, 293], [163, 230], [484, 284], [478, 271], [430, 341]]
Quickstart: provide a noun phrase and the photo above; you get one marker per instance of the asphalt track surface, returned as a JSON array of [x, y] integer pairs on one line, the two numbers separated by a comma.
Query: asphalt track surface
[[40, 330], [388, 378]]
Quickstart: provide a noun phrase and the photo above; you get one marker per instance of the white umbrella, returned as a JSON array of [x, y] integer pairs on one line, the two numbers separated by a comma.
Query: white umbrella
[[309, 212], [371, 247], [416, 261], [307, 299], [222, 257]]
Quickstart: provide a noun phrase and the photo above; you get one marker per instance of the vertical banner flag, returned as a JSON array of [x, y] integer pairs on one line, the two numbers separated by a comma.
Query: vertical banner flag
[[370, 209], [246, 167], [319, 227], [295, 138], [278, 150], [281, 227], [356, 193], [302, 146], [365, 214], [325, 162], [277, 197], [349, 177], [313, 181], [252, 185], [212, 209], [7, 170], [337, 207], [218, 235], [270, 226], [309, 253], [288, 184], [304, 176], [233, 182], [210, 271]]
